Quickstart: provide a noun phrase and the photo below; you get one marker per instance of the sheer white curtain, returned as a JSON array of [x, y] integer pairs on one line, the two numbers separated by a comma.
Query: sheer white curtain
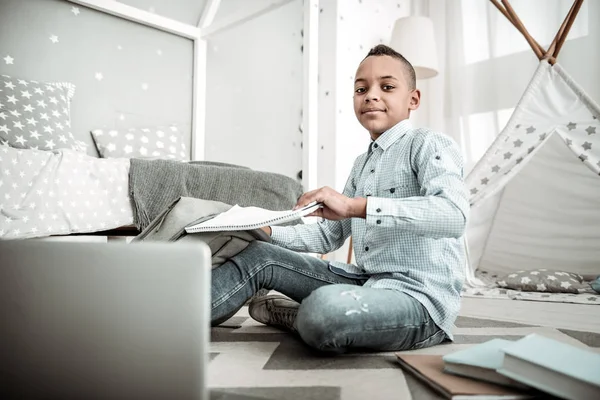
[[486, 64]]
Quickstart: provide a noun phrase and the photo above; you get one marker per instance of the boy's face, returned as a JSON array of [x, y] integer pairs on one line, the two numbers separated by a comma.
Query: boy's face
[[382, 97]]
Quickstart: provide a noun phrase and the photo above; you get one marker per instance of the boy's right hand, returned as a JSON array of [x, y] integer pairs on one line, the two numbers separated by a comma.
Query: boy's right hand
[[267, 230], [335, 206]]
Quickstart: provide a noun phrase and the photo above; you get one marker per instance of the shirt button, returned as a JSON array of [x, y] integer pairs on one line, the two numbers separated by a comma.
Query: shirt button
[[367, 248], [372, 170], [375, 145], [378, 221], [368, 194], [392, 190], [378, 210]]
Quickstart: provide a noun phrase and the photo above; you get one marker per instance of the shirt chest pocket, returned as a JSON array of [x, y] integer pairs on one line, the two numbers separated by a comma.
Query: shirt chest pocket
[[400, 185]]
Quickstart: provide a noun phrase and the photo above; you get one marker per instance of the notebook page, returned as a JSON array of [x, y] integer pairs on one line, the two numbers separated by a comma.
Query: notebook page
[[245, 218]]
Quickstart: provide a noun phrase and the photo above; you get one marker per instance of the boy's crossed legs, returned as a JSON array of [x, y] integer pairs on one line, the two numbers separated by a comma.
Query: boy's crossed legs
[[336, 313]]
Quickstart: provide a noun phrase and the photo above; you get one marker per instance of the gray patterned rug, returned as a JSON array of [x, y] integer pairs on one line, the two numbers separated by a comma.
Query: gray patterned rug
[[253, 361]]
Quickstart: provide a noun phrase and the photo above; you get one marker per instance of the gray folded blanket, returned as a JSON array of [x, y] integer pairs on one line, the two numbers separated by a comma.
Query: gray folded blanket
[[154, 184]]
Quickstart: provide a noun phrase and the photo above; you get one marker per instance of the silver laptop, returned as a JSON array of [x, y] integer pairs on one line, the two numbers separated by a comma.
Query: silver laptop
[[104, 321]]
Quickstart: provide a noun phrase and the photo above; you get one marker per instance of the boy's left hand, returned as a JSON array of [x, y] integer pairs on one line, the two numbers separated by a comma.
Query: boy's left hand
[[336, 206]]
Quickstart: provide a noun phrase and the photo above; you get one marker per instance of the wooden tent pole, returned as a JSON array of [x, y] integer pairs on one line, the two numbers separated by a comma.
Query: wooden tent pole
[[349, 257], [503, 11], [508, 17], [537, 49], [561, 30], [571, 19]]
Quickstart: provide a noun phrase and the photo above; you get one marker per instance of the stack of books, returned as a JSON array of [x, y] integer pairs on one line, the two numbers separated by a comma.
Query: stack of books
[[533, 367]]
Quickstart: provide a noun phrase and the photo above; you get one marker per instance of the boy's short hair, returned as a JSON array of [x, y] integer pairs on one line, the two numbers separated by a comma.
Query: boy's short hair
[[383, 50]]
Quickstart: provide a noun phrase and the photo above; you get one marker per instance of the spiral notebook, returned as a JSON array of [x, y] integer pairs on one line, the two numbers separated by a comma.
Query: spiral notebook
[[246, 218]]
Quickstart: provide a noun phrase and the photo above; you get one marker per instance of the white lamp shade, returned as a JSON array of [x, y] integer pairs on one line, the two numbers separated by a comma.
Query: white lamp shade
[[414, 38]]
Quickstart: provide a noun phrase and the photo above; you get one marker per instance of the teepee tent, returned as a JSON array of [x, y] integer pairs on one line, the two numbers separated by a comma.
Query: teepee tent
[[535, 194]]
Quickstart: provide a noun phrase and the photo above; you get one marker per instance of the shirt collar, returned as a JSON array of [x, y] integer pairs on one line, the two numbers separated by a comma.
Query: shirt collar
[[387, 138]]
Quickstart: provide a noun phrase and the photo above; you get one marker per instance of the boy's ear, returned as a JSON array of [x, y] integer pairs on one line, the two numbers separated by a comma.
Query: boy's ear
[[415, 99]]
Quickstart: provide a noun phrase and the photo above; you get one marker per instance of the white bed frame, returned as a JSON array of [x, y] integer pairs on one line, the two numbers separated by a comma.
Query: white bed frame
[[201, 32]]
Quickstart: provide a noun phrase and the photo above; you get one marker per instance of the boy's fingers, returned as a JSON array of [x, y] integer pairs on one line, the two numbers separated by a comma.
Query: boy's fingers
[[317, 213], [305, 199]]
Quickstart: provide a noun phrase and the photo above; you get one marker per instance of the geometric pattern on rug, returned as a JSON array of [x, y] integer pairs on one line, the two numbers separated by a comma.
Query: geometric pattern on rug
[[278, 393], [249, 360]]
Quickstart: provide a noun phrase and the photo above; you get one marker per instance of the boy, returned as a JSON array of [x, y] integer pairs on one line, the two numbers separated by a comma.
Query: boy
[[404, 205]]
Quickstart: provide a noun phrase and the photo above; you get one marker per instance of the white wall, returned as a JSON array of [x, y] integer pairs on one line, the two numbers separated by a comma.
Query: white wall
[[254, 90], [128, 76]]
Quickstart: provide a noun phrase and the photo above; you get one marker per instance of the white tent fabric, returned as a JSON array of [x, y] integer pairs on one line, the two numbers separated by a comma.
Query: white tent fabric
[[535, 194]]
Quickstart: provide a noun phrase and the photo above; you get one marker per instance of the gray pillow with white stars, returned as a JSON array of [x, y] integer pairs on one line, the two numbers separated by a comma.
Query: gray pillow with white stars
[[37, 115], [545, 280]]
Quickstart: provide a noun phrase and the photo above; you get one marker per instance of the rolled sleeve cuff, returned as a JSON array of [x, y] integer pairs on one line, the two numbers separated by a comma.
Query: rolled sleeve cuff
[[278, 235], [382, 212]]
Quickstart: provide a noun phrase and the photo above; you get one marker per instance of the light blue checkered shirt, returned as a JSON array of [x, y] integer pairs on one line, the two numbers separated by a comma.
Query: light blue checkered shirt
[[411, 239]]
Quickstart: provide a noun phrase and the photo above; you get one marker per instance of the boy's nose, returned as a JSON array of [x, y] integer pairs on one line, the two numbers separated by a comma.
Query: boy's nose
[[372, 95]]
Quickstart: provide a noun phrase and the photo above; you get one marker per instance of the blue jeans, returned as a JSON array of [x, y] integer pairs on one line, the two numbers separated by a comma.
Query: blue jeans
[[336, 313]]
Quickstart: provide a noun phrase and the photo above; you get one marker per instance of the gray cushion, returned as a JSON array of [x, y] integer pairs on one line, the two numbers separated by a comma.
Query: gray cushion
[[36, 115], [545, 280], [158, 142]]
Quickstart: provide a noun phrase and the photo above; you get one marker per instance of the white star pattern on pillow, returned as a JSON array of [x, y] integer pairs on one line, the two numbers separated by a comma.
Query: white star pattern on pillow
[[541, 287], [565, 284], [61, 192], [155, 142], [29, 102]]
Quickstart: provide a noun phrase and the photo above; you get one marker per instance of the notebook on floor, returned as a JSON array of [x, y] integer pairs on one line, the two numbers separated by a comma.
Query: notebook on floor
[[430, 370], [554, 367], [481, 362], [104, 321]]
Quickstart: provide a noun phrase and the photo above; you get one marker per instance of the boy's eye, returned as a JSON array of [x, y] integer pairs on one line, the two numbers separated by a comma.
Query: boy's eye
[[387, 87], [359, 90]]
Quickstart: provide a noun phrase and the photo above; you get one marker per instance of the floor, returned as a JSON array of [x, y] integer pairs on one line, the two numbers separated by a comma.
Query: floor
[[253, 361]]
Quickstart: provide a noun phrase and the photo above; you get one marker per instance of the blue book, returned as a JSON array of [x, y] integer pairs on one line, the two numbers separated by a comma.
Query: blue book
[[480, 362], [553, 367]]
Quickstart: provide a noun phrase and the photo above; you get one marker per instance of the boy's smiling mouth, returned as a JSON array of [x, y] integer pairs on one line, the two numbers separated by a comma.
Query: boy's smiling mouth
[[372, 110]]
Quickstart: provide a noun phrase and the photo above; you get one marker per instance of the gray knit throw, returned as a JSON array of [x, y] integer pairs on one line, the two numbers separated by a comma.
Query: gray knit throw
[[154, 184]]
